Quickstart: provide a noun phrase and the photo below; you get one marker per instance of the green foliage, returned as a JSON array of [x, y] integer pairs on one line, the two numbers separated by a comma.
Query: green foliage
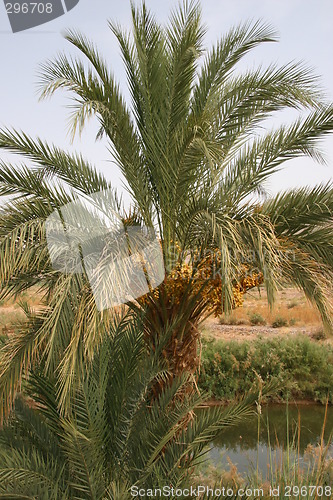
[[302, 368], [279, 322], [188, 147], [117, 433], [257, 319]]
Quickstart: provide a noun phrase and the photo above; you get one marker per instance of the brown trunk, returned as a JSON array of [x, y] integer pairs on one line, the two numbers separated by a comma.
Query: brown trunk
[[173, 312]]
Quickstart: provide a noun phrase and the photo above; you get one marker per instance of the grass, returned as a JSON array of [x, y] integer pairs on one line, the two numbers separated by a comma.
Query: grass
[[319, 334], [291, 304], [302, 368], [287, 476], [8, 318]]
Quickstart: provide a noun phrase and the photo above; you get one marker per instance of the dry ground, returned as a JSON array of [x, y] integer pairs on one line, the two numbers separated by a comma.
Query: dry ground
[[291, 307]]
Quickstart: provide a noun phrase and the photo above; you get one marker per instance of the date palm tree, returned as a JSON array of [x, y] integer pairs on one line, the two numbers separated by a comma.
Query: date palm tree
[[195, 153]]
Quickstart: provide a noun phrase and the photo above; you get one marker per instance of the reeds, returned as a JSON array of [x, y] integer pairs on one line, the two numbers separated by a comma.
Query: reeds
[[289, 474]]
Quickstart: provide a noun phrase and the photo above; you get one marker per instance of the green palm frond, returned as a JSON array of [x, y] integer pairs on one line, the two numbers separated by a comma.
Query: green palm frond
[[116, 433], [222, 59], [50, 162]]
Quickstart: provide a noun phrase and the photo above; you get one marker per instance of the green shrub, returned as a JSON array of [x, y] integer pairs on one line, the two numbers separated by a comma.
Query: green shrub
[[302, 368], [292, 321], [279, 321], [257, 319]]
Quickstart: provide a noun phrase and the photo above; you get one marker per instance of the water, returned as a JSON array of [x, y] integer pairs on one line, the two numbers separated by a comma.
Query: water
[[240, 443]]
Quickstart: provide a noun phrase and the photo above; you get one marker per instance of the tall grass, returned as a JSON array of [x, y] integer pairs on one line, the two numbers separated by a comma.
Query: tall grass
[[289, 474]]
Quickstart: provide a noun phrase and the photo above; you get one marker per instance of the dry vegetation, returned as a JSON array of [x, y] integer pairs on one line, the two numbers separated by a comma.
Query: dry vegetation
[[11, 311], [292, 314]]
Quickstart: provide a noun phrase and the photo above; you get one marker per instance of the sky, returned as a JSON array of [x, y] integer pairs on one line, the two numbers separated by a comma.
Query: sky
[[304, 26]]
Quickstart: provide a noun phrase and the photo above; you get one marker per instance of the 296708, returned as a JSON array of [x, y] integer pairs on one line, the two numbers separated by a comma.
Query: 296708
[[308, 491], [29, 8]]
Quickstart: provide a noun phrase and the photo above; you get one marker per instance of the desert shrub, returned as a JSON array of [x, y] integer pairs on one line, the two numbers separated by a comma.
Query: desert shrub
[[319, 334], [279, 322], [230, 320], [293, 303], [257, 319]]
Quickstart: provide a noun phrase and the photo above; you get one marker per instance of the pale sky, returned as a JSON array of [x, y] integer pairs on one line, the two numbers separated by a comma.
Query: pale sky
[[305, 28]]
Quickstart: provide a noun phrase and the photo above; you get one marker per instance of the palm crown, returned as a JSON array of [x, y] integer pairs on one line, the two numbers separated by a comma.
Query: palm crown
[[193, 153]]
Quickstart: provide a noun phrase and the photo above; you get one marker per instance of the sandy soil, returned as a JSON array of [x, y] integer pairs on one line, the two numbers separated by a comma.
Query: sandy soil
[[301, 317], [212, 328]]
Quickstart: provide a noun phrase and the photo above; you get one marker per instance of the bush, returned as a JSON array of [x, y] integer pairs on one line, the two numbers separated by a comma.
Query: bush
[[279, 321], [230, 320], [302, 368], [319, 334], [257, 319]]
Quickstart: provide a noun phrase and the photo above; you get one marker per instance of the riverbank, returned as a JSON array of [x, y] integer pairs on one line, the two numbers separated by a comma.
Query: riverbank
[[302, 368]]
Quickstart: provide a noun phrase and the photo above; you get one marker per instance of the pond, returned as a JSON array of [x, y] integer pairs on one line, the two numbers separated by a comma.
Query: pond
[[239, 444]]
